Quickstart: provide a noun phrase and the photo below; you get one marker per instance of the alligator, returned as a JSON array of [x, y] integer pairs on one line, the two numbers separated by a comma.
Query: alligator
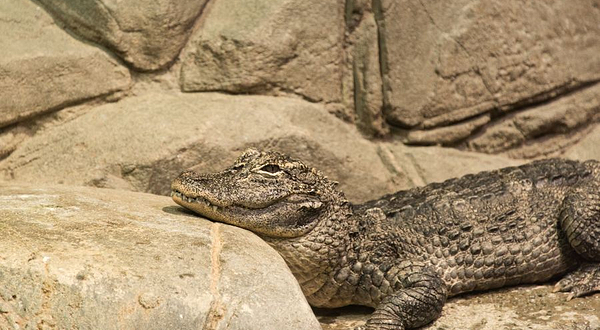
[[405, 253]]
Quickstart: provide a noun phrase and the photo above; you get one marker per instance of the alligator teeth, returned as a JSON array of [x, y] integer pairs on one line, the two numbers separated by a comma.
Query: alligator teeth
[[215, 208]]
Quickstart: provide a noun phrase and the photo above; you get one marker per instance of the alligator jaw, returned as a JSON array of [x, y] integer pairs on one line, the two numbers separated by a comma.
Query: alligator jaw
[[199, 205]]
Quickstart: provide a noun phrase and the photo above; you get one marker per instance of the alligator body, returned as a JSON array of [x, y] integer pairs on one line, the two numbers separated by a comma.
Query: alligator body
[[406, 253]]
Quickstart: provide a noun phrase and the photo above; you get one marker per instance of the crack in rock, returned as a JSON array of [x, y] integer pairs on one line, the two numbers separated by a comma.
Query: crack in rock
[[217, 308]]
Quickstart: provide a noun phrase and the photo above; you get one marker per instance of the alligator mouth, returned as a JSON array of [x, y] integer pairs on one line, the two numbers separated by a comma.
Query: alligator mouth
[[179, 197]]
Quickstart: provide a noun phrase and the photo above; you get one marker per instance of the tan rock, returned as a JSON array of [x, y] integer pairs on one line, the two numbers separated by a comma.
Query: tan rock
[[524, 307], [268, 47], [76, 257], [558, 119], [363, 55], [43, 68], [146, 34], [446, 57], [447, 134], [587, 148], [141, 143]]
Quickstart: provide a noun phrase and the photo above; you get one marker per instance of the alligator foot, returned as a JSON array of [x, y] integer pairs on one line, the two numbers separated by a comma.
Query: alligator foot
[[583, 281]]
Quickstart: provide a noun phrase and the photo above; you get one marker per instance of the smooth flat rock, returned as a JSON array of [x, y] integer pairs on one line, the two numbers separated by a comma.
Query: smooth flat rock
[[43, 68], [148, 35], [268, 47], [449, 61], [587, 148], [89, 258], [424, 165]]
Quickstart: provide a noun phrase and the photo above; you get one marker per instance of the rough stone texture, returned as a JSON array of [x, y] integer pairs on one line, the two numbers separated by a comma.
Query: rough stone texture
[[362, 48], [42, 68], [141, 143], [146, 34], [445, 62], [525, 307], [268, 47], [447, 134], [554, 119], [76, 257]]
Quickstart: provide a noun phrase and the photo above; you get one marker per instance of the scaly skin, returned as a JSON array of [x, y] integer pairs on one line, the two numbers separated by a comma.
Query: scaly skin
[[407, 252]]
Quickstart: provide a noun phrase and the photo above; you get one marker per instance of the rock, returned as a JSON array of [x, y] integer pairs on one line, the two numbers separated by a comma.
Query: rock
[[366, 96], [42, 68], [446, 134], [424, 165], [148, 35], [109, 259], [558, 120], [449, 61], [268, 47], [587, 148], [524, 307], [142, 142]]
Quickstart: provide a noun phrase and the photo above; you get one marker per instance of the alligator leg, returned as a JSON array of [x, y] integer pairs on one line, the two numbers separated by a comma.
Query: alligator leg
[[417, 303], [584, 280], [580, 220]]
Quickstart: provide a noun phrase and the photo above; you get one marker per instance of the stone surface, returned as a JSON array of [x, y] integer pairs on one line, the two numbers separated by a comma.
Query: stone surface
[[141, 143], [43, 68], [560, 117], [268, 47], [449, 61], [587, 148], [148, 35], [365, 85], [76, 257], [525, 307], [424, 165]]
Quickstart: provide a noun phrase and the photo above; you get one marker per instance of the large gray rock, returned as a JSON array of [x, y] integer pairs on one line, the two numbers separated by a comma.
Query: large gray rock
[[450, 61], [146, 34], [88, 258], [268, 47], [43, 68]]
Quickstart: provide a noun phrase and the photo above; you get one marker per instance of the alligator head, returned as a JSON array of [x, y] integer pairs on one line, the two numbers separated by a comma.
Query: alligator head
[[265, 192]]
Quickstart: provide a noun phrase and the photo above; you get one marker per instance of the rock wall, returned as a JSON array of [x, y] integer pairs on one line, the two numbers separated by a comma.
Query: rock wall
[[511, 77]]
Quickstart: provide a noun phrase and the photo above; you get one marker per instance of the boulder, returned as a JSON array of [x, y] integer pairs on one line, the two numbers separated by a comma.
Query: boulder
[[148, 35], [43, 68], [268, 47], [451, 61], [79, 257], [141, 143]]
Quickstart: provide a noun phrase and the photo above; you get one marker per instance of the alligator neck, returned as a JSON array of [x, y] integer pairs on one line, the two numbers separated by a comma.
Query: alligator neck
[[315, 257]]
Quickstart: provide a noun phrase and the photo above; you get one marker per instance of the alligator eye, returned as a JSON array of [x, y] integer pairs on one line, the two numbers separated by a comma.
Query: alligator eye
[[238, 167], [271, 168]]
